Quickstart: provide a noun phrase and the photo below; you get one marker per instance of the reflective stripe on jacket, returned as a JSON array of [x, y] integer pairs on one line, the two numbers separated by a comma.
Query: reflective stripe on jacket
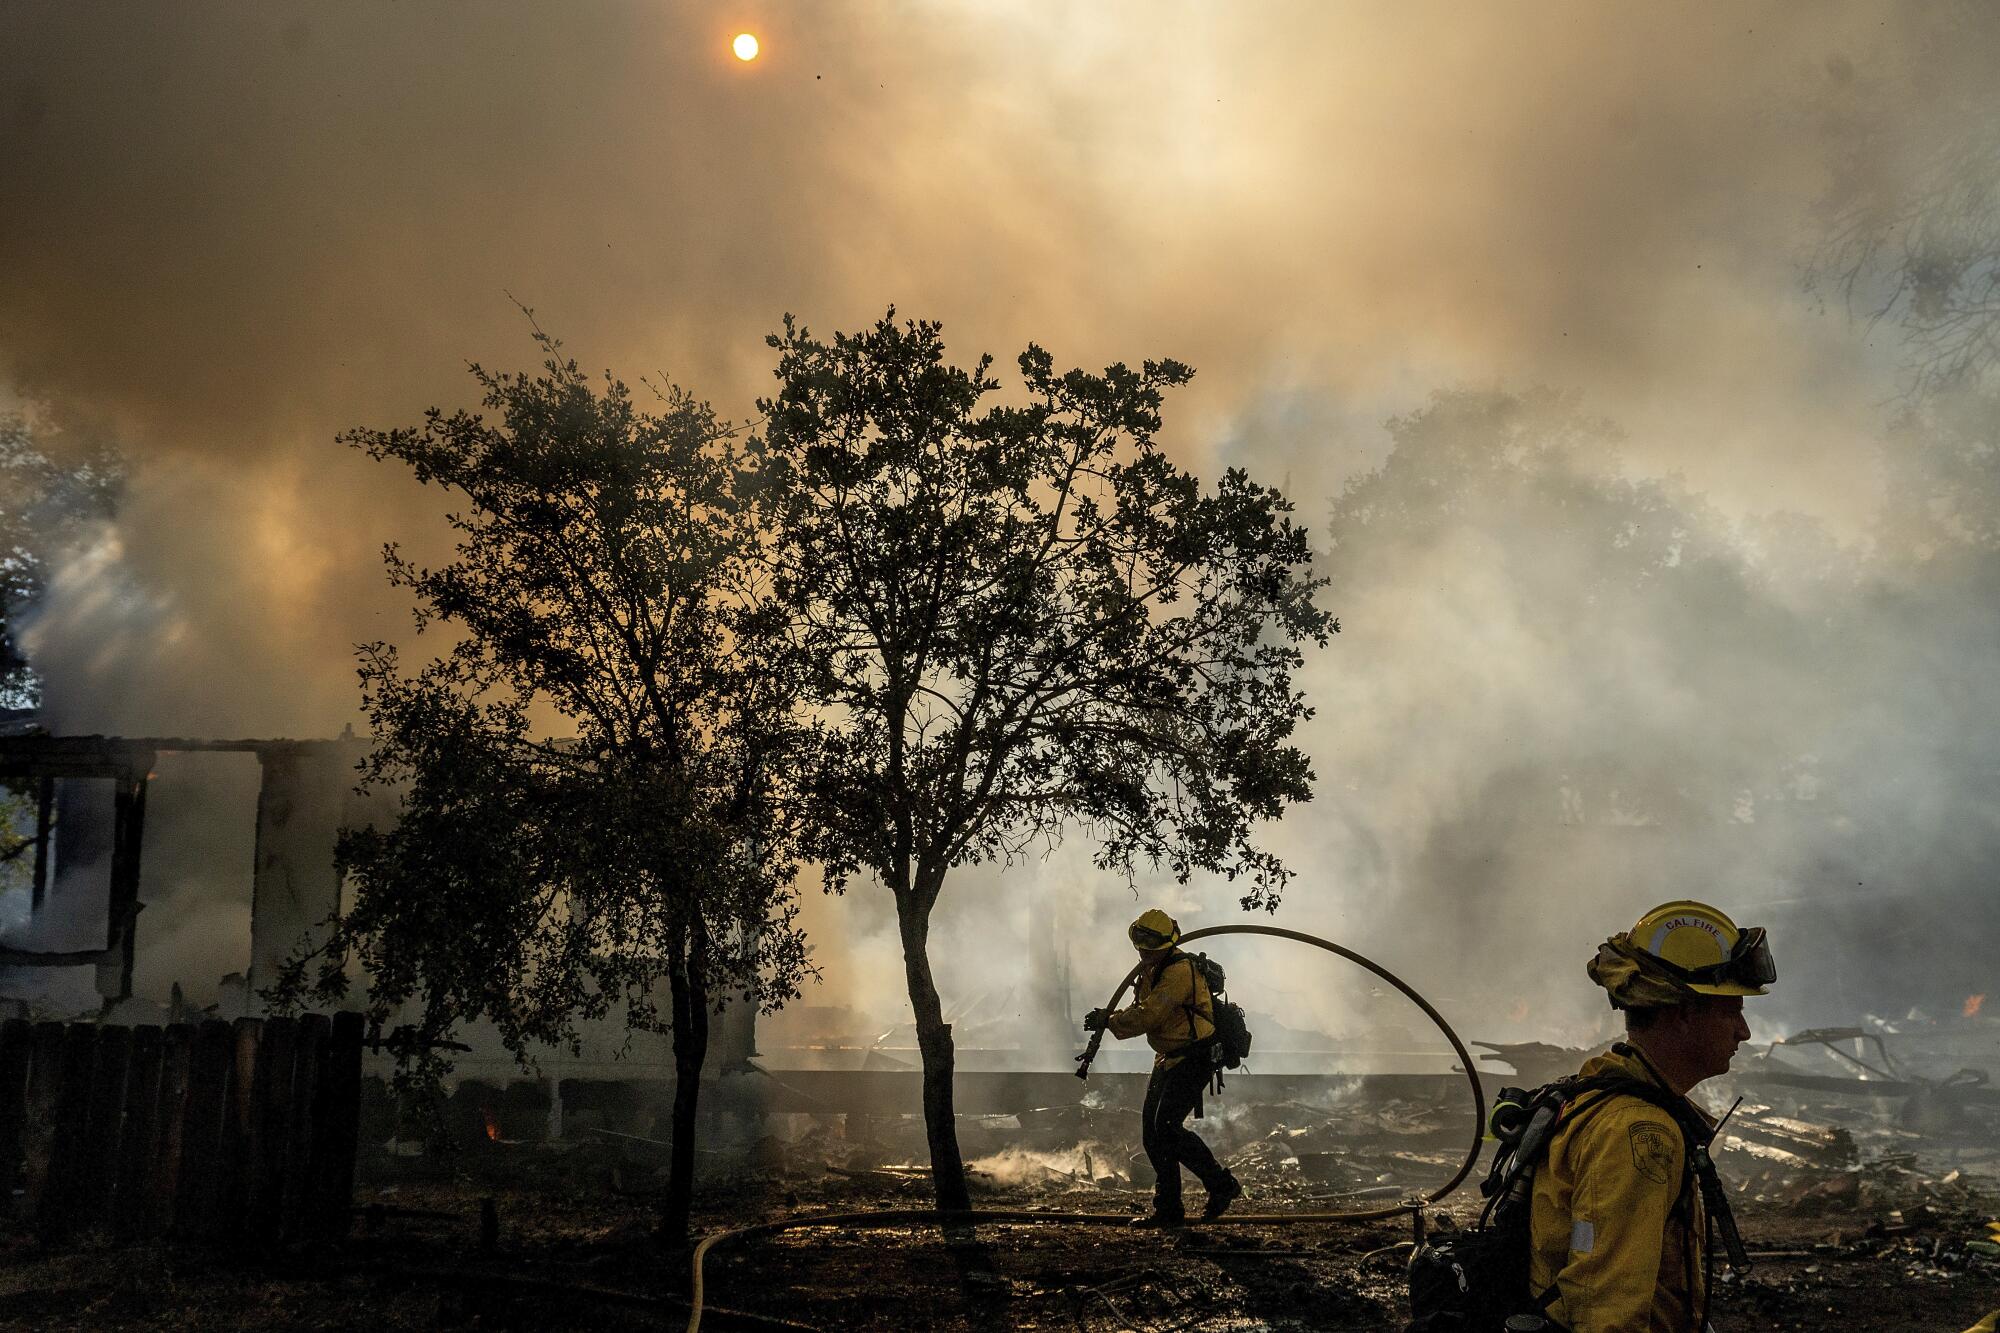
[[1610, 1223], [1171, 1006]]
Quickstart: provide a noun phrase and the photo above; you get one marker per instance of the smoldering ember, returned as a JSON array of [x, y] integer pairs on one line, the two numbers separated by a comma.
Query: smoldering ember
[[1145, 666]]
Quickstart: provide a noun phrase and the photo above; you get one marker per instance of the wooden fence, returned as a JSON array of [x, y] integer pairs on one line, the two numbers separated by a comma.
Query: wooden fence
[[234, 1133]]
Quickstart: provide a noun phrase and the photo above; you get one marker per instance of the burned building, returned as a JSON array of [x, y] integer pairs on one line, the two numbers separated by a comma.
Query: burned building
[[304, 798], [89, 889]]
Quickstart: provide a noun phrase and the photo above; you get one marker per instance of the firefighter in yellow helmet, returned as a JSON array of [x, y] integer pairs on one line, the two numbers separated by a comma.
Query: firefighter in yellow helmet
[[1622, 1210], [1172, 1007]]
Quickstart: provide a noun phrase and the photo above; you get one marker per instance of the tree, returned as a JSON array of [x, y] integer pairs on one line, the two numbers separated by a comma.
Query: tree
[[607, 579], [49, 488], [1910, 218], [1025, 618], [51, 485]]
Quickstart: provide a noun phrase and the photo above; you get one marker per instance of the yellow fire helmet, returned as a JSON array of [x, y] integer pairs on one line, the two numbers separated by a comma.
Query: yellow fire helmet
[[1681, 949], [1154, 930]]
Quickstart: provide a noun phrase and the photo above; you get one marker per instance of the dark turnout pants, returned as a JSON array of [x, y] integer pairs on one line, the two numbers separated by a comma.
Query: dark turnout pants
[[1171, 1096]]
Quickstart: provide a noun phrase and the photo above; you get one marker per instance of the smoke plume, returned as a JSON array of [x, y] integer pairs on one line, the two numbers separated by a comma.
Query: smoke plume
[[235, 230]]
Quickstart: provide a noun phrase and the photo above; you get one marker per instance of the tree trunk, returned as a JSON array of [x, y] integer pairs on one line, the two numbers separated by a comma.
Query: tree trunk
[[690, 1009], [934, 1041]]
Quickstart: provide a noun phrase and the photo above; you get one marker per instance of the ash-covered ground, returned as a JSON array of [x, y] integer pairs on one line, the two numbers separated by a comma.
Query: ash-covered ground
[[1856, 1220]]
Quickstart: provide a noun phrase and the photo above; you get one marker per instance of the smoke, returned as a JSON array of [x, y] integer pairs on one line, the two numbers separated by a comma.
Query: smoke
[[201, 825], [1565, 696], [255, 224], [245, 228], [236, 230], [201, 822], [217, 604], [1087, 1163]]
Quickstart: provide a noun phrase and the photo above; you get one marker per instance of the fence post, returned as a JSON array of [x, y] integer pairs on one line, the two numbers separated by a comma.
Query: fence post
[[302, 1143], [138, 1139], [337, 1126], [61, 1200], [38, 1121], [17, 1048], [170, 1115], [239, 1163], [200, 1190], [103, 1123], [264, 1152]]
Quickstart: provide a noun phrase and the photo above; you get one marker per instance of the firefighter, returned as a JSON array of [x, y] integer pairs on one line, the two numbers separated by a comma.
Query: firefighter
[[1172, 1007], [1618, 1230]]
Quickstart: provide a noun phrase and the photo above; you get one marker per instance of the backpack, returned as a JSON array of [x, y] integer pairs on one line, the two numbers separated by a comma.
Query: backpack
[[1230, 1046], [1476, 1280]]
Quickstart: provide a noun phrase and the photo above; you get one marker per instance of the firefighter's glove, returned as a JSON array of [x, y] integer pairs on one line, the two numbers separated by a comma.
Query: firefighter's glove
[[1097, 1020]]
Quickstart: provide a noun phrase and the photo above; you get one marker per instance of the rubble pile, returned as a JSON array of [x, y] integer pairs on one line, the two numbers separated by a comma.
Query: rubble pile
[[1295, 1156], [1846, 1210], [1808, 1167]]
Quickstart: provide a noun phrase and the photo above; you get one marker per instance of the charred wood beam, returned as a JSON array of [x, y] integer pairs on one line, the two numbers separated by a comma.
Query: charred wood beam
[[128, 840], [1830, 1039], [115, 756], [74, 757], [45, 800]]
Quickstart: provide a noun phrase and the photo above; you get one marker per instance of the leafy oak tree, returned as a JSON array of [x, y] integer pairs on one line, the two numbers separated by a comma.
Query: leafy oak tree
[[1025, 619], [606, 585], [52, 484]]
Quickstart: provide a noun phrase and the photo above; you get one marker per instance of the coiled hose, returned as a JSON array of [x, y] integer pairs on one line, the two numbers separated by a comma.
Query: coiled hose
[[890, 1217]]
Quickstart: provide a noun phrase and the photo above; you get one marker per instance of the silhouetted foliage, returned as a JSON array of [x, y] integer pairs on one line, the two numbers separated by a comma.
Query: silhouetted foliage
[[1025, 618], [606, 582], [49, 486], [1910, 218]]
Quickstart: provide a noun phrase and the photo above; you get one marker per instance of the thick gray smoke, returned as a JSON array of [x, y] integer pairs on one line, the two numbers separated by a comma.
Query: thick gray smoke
[[1584, 666], [1564, 695], [1625, 697]]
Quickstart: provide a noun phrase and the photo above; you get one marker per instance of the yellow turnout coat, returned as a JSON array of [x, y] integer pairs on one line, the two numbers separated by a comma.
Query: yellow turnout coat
[[1171, 1006], [1610, 1222]]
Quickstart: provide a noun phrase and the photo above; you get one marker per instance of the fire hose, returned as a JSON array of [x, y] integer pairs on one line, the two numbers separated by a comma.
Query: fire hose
[[893, 1217]]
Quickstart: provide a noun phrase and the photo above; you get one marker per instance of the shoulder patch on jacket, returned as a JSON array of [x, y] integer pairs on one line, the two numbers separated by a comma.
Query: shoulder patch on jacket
[[1653, 1151]]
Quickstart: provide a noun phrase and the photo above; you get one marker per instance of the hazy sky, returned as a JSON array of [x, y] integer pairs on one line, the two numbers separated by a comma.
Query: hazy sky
[[232, 230], [228, 232]]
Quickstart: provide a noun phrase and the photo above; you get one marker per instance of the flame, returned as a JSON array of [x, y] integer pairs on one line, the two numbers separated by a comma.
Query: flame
[[1519, 1013], [1972, 1005], [492, 1125]]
